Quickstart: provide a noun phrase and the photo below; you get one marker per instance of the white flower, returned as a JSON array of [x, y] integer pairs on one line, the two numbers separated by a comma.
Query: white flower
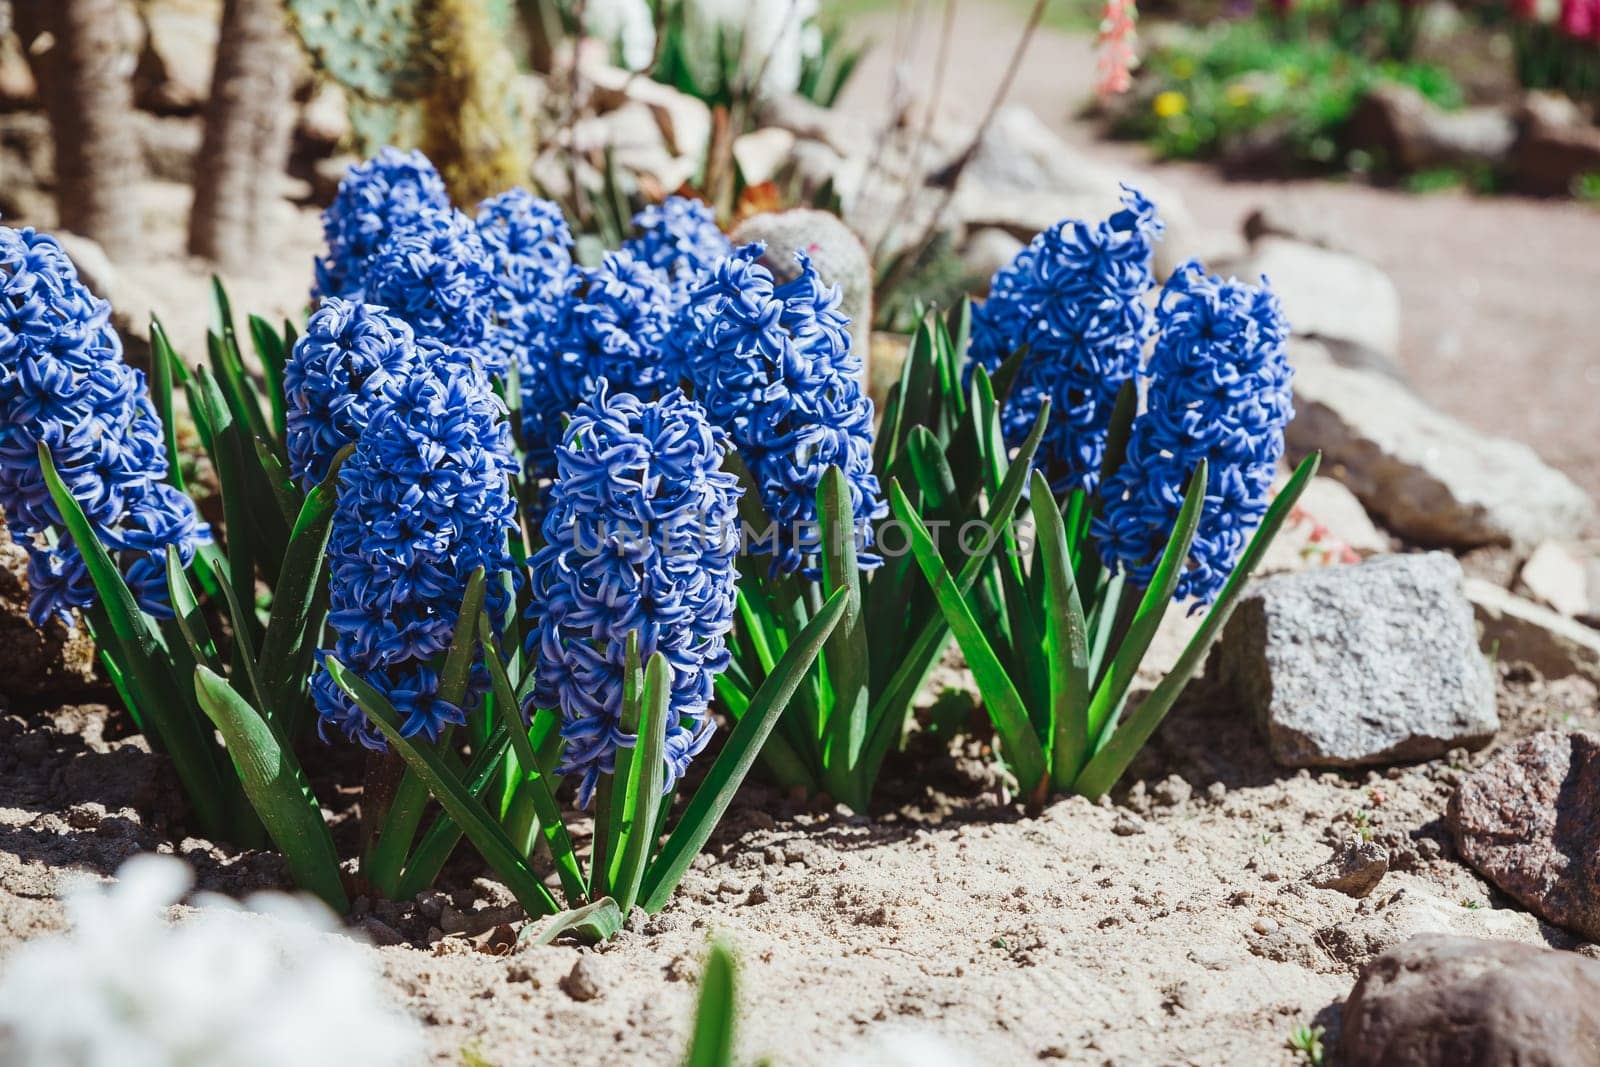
[[627, 26], [904, 1046], [226, 987], [756, 44]]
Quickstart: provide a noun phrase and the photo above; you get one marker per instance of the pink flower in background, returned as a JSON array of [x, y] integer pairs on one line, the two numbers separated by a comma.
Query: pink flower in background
[[1118, 40], [1580, 18]]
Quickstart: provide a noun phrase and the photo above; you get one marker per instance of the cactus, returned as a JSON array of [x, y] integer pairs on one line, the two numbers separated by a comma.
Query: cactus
[[373, 48], [839, 256], [470, 127], [432, 73]]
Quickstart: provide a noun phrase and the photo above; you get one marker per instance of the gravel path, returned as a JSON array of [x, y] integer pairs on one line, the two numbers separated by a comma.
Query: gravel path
[[1499, 295]]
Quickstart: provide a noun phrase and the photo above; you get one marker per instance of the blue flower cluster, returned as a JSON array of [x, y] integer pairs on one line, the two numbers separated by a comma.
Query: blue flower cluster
[[610, 322], [63, 383], [436, 273], [1075, 298], [680, 238], [1219, 392], [640, 537], [773, 366], [423, 502], [351, 360], [530, 255], [375, 197]]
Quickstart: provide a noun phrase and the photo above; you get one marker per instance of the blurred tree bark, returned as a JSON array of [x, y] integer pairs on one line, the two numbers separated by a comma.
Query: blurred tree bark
[[248, 126], [79, 53]]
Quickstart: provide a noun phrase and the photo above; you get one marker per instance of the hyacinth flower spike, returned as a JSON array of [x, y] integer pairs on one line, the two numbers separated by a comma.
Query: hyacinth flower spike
[[633, 598], [1183, 512], [1074, 298]]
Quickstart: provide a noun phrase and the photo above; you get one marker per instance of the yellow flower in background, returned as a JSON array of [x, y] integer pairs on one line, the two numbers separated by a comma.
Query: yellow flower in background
[[1238, 94], [1170, 104]]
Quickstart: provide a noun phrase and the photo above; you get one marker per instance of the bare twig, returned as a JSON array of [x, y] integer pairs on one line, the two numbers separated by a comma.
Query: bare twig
[[914, 252], [918, 172]]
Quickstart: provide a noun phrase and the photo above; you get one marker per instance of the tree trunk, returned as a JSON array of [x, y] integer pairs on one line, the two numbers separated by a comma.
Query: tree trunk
[[81, 60], [248, 125]]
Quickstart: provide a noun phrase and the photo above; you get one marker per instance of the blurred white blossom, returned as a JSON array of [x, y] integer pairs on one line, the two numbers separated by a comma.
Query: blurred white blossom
[[225, 987], [761, 45], [627, 26], [904, 1046]]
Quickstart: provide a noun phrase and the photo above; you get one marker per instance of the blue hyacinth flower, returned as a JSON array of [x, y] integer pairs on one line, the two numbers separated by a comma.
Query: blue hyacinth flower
[[63, 383], [375, 197], [1075, 296], [350, 361], [641, 537], [436, 273], [1220, 392], [773, 366], [424, 501], [680, 238]]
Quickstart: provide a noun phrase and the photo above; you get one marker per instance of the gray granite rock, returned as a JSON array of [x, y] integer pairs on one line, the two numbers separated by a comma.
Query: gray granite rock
[[1444, 1001], [1369, 663], [1423, 475]]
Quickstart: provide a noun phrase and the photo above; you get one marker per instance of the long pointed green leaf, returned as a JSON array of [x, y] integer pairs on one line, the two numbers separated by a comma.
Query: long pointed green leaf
[[386, 853], [273, 355], [1112, 760], [1000, 696], [893, 703], [140, 651], [1066, 641], [595, 922], [610, 797], [161, 361], [716, 791], [277, 789], [712, 1043], [573, 884], [643, 802], [845, 730], [441, 838], [293, 620], [1113, 688], [453, 795], [186, 613]]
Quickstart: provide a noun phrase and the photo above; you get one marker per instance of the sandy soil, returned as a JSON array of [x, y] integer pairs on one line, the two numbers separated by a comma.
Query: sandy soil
[[1174, 926]]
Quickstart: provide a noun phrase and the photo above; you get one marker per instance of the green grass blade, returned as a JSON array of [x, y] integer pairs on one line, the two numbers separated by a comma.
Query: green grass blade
[[1066, 641], [712, 1043], [453, 795], [1113, 688], [277, 789], [1005, 706], [573, 884], [1108, 765], [642, 805], [845, 729], [716, 791]]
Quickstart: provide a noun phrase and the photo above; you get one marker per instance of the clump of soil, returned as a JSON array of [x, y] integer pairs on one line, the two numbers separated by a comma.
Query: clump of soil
[[1176, 922]]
